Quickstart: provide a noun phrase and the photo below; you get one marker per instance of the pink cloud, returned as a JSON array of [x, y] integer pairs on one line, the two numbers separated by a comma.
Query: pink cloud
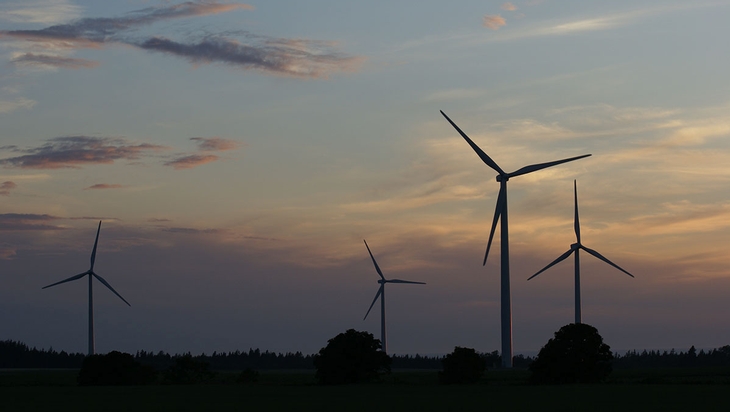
[[191, 161], [509, 6], [493, 22], [6, 187]]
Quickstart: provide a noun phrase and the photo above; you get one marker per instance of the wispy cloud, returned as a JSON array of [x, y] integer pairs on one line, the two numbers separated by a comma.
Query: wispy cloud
[[214, 144], [39, 11], [191, 161], [493, 21], [27, 221], [189, 230], [296, 58], [104, 186], [75, 151], [19, 103], [508, 6], [289, 57], [54, 61], [6, 187]]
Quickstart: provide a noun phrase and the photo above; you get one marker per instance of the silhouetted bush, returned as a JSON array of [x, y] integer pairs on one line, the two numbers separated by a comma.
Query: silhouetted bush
[[463, 365], [248, 375], [351, 357], [114, 368], [188, 370], [576, 354]]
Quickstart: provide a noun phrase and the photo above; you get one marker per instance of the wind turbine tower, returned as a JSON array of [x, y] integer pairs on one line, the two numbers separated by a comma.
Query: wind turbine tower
[[381, 295], [575, 248], [501, 213], [90, 273]]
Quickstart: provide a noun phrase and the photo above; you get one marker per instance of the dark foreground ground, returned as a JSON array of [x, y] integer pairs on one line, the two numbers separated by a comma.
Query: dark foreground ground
[[630, 390]]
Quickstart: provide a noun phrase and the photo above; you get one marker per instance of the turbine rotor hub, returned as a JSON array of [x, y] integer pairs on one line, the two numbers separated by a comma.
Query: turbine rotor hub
[[502, 178]]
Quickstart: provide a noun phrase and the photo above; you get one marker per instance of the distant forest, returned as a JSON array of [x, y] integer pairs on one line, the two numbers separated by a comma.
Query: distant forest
[[18, 355]]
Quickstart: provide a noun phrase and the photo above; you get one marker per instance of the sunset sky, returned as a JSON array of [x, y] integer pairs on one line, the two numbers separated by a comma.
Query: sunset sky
[[239, 153]]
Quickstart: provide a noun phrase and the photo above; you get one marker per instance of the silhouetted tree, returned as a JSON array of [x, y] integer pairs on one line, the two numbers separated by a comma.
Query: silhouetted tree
[[351, 357], [187, 370], [248, 375], [114, 368], [463, 365], [576, 354]]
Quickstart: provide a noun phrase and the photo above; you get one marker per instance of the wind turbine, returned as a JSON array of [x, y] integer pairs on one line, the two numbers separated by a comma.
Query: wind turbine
[[500, 212], [381, 295], [575, 248], [91, 275]]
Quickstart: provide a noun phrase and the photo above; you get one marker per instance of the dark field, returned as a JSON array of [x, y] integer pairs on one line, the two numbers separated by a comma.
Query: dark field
[[688, 389]]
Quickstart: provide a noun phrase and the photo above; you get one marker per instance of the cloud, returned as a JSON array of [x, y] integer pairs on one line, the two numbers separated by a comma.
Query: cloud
[[191, 161], [508, 6], [104, 186], [493, 22], [103, 29], [48, 11], [47, 60], [158, 220], [27, 221], [7, 251], [6, 187], [19, 103], [189, 230], [213, 144], [73, 151], [289, 57], [296, 58]]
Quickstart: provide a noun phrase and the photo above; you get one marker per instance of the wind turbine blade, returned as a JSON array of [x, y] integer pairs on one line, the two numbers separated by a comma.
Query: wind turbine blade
[[497, 215], [79, 276], [110, 287], [377, 295], [554, 262], [540, 166], [374, 262], [576, 222], [405, 281], [600, 256], [485, 158], [93, 252]]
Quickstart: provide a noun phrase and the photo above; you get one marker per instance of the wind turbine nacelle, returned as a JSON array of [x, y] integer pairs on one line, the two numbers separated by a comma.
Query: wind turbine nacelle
[[575, 246], [502, 178], [382, 281]]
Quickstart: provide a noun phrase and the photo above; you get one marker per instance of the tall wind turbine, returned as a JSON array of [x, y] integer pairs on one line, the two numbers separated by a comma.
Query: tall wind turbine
[[500, 212], [381, 295], [91, 275], [575, 248]]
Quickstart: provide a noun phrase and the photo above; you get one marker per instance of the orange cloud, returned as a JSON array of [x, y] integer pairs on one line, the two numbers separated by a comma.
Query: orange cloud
[[191, 161], [493, 22]]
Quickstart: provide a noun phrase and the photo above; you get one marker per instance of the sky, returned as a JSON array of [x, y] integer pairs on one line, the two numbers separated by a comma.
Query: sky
[[238, 154]]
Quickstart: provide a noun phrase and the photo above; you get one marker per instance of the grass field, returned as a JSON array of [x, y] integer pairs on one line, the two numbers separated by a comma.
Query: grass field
[[632, 390]]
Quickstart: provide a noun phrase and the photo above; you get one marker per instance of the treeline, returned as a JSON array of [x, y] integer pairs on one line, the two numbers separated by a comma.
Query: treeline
[[673, 359], [18, 355]]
